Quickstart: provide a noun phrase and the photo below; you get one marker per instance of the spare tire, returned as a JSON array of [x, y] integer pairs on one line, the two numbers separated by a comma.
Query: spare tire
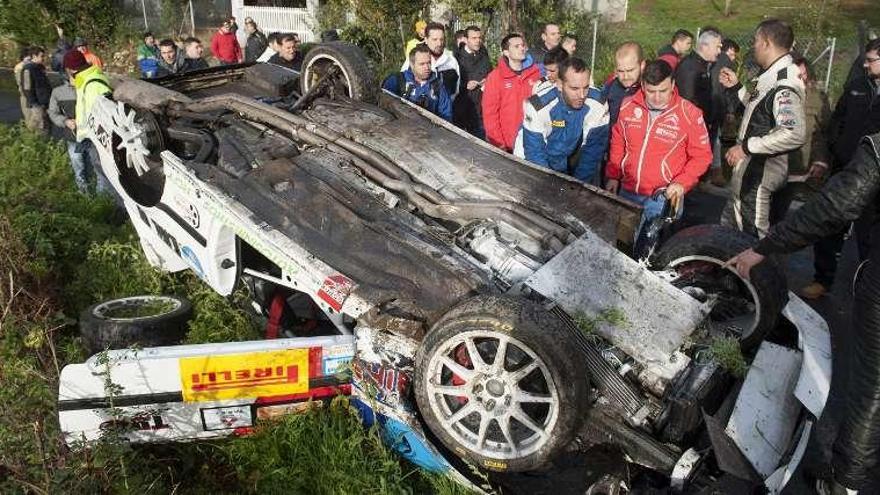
[[356, 78], [144, 321], [747, 309], [498, 383]]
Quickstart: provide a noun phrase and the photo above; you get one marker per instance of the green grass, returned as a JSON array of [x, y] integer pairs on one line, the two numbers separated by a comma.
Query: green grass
[[59, 252]]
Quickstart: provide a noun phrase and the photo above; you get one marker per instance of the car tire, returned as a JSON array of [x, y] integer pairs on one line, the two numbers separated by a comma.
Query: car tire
[[358, 76], [145, 321], [697, 255], [553, 397]]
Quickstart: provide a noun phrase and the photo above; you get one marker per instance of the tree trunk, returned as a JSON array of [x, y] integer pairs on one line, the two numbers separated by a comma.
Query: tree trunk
[[727, 8]]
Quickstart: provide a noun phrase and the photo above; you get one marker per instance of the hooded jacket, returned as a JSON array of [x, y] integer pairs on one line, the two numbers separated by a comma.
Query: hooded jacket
[[176, 67], [504, 96], [446, 66], [647, 154], [90, 83], [148, 59], [225, 47], [565, 139], [62, 106]]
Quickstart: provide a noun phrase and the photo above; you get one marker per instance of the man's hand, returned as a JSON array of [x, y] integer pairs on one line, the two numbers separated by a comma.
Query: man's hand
[[71, 124], [744, 261], [817, 170], [727, 77], [735, 155], [612, 186], [675, 194], [472, 85]]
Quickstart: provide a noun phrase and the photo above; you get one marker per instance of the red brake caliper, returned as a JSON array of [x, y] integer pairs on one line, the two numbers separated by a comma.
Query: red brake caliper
[[462, 358]]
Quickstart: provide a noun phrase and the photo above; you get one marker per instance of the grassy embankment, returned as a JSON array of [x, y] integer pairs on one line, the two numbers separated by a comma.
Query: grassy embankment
[[60, 252]]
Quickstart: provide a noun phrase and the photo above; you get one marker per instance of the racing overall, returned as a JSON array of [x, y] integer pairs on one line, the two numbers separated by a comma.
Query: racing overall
[[844, 198], [773, 126], [568, 140]]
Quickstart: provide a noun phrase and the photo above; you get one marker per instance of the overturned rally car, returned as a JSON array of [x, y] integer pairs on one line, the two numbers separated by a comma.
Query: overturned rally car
[[478, 307]]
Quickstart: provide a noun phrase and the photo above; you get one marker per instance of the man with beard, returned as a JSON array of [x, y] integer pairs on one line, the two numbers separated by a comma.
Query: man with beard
[[566, 130], [474, 64], [629, 60], [420, 85], [443, 62], [773, 127], [506, 89]]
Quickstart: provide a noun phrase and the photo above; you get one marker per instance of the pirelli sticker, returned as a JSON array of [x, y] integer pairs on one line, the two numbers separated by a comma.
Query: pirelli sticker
[[236, 376]]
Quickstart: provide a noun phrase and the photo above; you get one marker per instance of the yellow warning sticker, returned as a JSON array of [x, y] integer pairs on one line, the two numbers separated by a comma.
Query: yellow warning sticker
[[235, 376]]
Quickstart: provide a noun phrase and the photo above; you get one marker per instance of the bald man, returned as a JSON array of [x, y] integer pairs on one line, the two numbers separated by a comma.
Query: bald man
[[629, 60]]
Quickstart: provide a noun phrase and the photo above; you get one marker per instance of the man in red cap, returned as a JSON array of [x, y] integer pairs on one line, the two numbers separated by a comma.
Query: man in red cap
[[90, 83]]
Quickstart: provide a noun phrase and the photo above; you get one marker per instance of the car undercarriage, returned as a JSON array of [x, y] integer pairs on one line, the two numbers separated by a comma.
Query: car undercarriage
[[480, 308]]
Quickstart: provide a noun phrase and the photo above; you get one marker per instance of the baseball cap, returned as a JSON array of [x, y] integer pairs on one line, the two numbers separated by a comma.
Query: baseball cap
[[74, 60]]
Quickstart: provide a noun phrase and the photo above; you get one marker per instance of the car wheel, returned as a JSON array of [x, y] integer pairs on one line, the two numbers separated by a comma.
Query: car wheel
[[497, 382], [746, 309], [139, 320], [355, 79]]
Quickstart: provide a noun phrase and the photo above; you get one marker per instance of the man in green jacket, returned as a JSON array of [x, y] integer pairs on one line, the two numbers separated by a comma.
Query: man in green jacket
[[90, 83]]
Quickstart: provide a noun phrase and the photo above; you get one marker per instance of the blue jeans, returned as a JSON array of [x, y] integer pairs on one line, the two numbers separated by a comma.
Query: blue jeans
[[84, 161], [652, 208]]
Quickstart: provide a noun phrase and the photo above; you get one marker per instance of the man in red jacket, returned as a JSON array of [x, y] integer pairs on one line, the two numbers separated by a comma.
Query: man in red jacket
[[225, 46], [659, 145], [506, 90]]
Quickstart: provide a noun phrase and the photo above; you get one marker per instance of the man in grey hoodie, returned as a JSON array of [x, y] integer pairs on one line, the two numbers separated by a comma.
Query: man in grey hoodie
[[171, 61], [83, 156]]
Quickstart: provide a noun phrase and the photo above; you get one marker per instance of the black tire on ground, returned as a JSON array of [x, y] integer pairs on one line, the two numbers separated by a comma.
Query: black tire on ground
[[358, 77], [712, 246], [534, 337], [144, 321]]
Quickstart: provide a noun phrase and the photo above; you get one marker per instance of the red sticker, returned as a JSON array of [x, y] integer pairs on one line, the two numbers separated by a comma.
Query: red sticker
[[335, 290]]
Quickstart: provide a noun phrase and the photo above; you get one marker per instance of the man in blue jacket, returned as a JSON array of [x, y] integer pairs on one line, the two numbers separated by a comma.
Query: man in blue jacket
[[420, 85], [566, 129]]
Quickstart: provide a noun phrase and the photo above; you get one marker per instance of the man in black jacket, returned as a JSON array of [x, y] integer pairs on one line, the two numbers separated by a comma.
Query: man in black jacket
[[848, 194], [171, 61], [288, 55], [474, 65], [693, 77], [193, 51], [37, 89], [256, 41]]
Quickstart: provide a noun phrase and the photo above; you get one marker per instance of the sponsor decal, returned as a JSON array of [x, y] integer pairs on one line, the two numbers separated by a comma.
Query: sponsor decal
[[335, 290], [188, 211], [508, 84], [190, 257], [147, 420], [664, 132], [390, 384], [557, 123], [333, 365], [235, 376], [637, 113], [227, 418]]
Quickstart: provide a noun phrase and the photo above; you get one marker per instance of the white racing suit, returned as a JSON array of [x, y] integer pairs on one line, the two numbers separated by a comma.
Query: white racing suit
[[773, 126]]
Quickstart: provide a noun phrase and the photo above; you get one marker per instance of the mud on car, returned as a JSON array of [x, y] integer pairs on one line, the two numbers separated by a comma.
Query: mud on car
[[481, 309]]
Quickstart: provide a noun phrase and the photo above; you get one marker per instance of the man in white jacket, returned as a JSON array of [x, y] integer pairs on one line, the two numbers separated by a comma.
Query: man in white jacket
[[443, 62]]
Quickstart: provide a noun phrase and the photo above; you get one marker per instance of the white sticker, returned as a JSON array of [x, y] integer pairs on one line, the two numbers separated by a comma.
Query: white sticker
[[227, 418]]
